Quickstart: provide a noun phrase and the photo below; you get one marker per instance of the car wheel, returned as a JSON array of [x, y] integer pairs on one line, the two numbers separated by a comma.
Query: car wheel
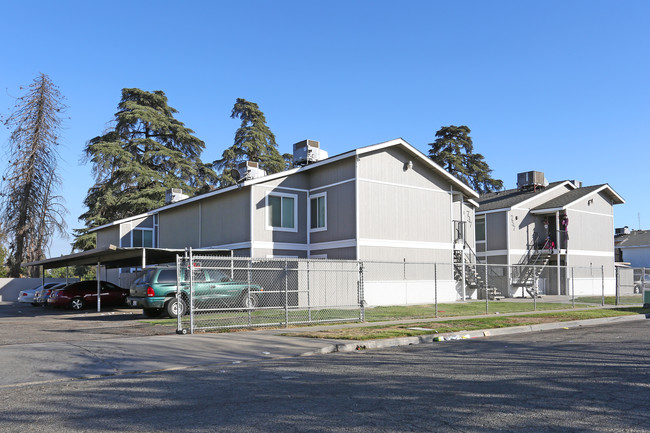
[[248, 301], [151, 312], [77, 304], [175, 309]]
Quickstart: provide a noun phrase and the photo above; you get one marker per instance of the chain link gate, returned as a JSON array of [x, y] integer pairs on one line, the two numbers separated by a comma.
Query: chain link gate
[[239, 292]]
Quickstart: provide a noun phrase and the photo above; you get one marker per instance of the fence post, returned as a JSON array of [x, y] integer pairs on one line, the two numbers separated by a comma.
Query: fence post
[[191, 306], [487, 295], [435, 285], [248, 278], [602, 281], [286, 294], [617, 282], [308, 295], [179, 298], [535, 287], [362, 301], [573, 290]]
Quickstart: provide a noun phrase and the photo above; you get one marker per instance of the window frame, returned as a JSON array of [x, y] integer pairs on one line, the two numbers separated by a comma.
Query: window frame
[[143, 229], [322, 195], [267, 216], [476, 226]]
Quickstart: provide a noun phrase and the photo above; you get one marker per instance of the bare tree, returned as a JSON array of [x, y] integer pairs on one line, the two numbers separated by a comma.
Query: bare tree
[[31, 211]]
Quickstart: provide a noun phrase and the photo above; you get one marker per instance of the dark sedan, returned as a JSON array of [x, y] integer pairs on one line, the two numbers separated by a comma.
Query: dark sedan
[[78, 295]]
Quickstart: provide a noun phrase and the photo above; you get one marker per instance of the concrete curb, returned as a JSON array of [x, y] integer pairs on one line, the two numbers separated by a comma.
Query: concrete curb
[[407, 341]]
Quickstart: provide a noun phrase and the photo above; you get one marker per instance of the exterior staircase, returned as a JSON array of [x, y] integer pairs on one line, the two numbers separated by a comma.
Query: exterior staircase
[[533, 266], [465, 259]]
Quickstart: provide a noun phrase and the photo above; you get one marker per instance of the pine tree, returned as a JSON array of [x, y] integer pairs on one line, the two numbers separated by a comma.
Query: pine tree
[[31, 211], [453, 150], [147, 152], [254, 141]]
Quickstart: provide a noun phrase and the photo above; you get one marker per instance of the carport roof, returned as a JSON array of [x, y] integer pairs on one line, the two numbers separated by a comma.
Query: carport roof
[[116, 257]]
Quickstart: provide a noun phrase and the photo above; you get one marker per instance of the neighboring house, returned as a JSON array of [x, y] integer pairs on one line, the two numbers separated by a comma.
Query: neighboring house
[[633, 247], [541, 231], [387, 203]]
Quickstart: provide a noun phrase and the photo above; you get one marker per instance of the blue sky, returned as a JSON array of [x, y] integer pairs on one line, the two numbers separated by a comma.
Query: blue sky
[[557, 86]]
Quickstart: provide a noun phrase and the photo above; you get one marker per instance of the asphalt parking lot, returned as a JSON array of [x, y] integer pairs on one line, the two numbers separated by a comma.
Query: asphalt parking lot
[[587, 379], [24, 324]]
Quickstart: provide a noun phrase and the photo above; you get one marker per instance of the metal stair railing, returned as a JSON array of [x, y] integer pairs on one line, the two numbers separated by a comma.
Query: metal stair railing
[[468, 259], [533, 266]]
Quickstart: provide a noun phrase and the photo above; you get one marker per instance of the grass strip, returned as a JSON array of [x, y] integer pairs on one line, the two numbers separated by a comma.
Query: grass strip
[[408, 330]]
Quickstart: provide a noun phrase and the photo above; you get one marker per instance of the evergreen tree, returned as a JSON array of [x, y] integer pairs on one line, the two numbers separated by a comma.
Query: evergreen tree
[[31, 211], [147, 152], [453, 150], [254, 141]]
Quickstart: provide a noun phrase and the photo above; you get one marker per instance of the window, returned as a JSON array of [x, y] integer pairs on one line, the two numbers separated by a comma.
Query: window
[[318, 212], [281, 211], [142, 238], [480, 229]]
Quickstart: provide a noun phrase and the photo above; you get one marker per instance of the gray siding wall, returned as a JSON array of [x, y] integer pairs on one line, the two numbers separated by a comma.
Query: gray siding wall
[[525, 229], [179, 226], [341, 214], [332, 173], [225, 219], [349, 253], [108, 236], [398, 204]]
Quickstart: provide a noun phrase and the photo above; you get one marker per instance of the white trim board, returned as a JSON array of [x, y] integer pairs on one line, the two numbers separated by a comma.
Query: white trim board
[[381, 182], [405, 244]]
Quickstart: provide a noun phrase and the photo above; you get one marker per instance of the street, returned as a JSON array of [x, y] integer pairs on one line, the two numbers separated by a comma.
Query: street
[[594, 379]]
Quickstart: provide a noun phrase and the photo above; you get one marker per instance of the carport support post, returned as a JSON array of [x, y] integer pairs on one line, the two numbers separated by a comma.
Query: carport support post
[[99, 288]]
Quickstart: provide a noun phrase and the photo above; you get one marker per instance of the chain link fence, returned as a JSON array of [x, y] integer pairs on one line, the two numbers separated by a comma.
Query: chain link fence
[[244, 292], [630, 285], [236, 292]]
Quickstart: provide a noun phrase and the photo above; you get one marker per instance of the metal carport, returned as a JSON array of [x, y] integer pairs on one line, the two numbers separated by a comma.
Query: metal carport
[[117, 257]]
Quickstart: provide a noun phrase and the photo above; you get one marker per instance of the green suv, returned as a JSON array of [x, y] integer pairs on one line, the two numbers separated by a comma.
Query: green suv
[[155, 291]]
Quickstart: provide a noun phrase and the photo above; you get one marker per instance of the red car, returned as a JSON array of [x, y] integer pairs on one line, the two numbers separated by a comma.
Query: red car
[[84, 293]]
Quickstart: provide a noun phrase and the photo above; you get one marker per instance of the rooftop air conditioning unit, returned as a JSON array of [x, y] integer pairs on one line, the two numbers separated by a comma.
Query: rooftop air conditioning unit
[[621, 231], [531, 181], [174, 195], [307, 152], [247, 170]]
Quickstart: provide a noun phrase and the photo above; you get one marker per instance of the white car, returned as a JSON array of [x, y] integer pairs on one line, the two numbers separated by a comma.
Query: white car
[[28, 296]]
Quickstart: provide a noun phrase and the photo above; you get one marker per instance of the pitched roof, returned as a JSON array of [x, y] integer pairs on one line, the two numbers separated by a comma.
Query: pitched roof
[[511, 197], [466, 190], [570, 197], [636, 238]]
